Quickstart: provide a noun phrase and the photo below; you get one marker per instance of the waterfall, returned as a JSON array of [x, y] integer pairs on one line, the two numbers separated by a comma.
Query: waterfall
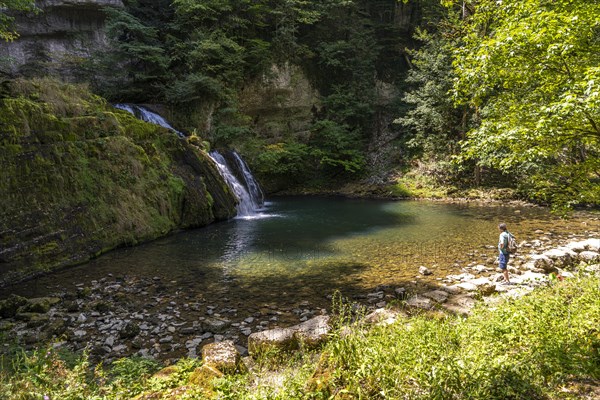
[[249, 194], [250, 183], [146, 115], [244, 186]]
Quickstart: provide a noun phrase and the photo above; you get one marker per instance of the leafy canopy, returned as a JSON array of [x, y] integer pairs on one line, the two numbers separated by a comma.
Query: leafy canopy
[[531, 68]]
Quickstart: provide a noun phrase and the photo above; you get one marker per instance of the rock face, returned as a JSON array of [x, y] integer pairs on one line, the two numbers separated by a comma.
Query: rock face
[[80, 178], [62, 32]]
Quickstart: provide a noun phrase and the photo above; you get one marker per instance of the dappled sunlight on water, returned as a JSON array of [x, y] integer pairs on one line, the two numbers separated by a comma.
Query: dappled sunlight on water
[[306, 247]]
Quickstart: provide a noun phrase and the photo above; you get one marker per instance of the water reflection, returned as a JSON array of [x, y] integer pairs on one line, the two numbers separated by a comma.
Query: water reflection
[[311, 245]]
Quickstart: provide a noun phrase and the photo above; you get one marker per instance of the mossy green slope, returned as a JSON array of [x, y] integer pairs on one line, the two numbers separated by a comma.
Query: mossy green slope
[[79, 177]]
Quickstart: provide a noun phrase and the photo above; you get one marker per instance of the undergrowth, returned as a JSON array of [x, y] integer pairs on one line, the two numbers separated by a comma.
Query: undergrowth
[[540, 346]]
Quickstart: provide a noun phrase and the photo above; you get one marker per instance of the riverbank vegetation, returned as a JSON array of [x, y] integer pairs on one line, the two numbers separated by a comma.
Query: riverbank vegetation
[[545, 345], [470, 94], [480, 96]]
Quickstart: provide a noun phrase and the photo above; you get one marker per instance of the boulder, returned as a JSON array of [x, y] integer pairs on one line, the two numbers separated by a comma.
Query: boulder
[[577, 246], [468, 286], [560, 257], [459, 304], [424, 270], [589, 256], [308, 334], [420, 302], [202, 377], [9, 306], [439, 296], [541, 261], [129, 331], [223, 356], [593, 245], [38, 306]]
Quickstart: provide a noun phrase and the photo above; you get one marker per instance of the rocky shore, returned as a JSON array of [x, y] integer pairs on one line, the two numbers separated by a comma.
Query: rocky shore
[[108, 319]]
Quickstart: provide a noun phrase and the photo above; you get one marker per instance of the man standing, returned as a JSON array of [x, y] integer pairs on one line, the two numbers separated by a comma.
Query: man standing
[[504, 254]]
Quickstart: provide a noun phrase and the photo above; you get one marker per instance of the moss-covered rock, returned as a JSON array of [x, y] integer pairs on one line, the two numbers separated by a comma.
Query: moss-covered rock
[[9, 306], [80, 178]]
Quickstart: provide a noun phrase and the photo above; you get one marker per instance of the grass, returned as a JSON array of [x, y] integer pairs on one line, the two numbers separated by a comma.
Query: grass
[[545, 345]]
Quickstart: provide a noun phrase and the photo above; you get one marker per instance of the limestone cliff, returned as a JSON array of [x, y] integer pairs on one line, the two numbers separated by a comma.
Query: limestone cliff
[[57, 37], [79, 177]]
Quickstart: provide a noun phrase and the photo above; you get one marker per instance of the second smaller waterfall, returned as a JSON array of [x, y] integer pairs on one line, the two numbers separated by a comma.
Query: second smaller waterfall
[[248, 192], [232, 168], [144, 114]]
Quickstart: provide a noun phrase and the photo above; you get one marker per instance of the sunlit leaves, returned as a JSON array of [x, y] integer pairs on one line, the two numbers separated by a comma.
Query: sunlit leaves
[[531, 69]]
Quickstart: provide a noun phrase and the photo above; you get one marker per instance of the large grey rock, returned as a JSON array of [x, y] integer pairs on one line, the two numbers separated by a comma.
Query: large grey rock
[[439, 296], [593, 245], [9, 306], [560, 257], [589, 256], [459, 304], [420, 302], [308, 334], [424, 270]]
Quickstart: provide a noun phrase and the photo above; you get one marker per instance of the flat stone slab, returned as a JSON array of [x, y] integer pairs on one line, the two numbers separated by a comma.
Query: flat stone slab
[[479, 281], [468, 286], [439, 296], [420, 302], [459, 304], [308, 334]]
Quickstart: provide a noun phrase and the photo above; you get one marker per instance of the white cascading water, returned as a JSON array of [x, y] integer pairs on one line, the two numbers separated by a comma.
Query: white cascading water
[[249, 200], [250, 196], [144, 114], [253, 187]]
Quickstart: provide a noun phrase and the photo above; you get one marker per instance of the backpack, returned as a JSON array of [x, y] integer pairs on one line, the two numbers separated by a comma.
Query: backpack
[[512, 245]]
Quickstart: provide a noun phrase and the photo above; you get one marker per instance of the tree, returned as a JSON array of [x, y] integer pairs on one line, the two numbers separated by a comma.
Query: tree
[[435, 122], [531, 68], [135, 68]]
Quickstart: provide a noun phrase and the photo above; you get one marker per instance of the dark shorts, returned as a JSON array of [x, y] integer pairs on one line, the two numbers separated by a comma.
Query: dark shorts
[[503, 258]]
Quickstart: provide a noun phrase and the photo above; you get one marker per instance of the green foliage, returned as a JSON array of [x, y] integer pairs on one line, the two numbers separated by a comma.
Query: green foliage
[[336, 147], [435, 122], [532, 347], [136, 68], [287, 159], [531, 69], [538, 346], [74, 165], [7, 31]]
